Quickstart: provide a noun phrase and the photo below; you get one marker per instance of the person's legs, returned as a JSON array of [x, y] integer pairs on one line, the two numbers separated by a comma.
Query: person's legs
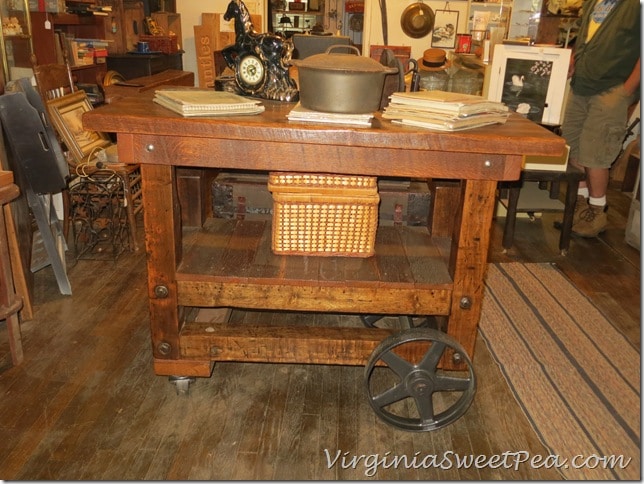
[[599, 144], [572, 128]]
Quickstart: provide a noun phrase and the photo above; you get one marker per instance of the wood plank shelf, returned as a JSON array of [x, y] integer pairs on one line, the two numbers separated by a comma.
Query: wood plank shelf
[[408, 274]]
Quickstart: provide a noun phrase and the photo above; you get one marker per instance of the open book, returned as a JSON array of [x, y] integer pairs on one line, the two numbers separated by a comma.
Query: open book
[[201, 102]]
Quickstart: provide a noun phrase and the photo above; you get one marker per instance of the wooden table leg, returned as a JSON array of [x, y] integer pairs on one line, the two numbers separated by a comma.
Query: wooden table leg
[[468, 262], [163, 246]]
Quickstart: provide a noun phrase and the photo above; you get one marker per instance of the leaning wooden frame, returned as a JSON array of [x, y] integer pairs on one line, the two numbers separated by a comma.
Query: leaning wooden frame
[[66, 114]]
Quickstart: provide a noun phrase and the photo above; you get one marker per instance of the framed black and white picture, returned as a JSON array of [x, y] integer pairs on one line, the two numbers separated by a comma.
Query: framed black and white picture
[[445, 26], [530, 80]]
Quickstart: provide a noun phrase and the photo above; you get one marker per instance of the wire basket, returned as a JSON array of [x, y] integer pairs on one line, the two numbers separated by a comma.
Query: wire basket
[[324, 215]]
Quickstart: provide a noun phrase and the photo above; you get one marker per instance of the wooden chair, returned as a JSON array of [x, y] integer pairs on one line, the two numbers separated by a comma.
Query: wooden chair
[[52, 80], [10, 302]]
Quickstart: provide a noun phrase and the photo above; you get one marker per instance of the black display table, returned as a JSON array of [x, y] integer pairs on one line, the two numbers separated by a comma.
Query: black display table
[[140, 65]]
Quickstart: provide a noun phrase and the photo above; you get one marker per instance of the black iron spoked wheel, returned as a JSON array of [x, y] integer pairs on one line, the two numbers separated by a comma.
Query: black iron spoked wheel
[[417, 395], [372, 320]]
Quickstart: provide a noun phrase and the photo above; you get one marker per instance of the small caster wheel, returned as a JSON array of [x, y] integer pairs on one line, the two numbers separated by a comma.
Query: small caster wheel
[[182, 383], [417, 395]]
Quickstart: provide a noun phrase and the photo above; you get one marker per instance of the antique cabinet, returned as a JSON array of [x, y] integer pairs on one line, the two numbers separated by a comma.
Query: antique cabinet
[[16, 40]]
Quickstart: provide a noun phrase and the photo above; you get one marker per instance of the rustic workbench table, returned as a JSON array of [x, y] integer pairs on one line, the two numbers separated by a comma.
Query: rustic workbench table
[[228, 263]]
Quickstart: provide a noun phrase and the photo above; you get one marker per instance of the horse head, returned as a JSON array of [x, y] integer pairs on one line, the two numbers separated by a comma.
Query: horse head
[[232, 11], [237, 10]]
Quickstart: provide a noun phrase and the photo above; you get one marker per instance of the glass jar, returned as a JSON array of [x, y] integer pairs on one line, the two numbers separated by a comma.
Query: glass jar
[[433, 80], [467, 79]]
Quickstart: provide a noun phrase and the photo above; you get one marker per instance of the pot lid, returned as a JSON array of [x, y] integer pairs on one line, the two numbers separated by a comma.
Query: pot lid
[[417, 20], [342, 61]]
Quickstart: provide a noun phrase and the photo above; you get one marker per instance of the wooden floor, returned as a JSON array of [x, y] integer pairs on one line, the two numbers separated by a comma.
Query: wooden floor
[[85, 404]]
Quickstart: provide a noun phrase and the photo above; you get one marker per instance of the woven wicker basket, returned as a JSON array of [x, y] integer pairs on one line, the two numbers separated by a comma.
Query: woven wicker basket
[[325, 215]]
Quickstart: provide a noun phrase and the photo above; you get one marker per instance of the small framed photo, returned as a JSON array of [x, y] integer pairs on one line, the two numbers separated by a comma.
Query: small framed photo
[[66, 114], [463, 43], [445, 26], [530, 80]]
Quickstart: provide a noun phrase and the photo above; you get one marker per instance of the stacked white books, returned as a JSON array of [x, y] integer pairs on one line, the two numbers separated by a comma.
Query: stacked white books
[[300, 113], [444, 111], [201, 102]]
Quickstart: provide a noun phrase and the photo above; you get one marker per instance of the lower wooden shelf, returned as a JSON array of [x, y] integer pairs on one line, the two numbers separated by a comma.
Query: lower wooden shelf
[[229, 263]]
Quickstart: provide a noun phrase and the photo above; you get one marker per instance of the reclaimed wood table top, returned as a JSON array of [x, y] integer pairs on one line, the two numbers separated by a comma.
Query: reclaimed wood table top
[[269, 141]]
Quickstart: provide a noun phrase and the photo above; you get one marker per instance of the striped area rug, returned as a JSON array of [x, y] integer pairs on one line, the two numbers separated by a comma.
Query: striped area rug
[[575, 375]]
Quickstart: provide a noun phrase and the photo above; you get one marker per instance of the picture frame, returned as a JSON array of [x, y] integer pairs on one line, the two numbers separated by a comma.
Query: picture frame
[[445, 29], [531, 80], [464, 43], [66, 114]]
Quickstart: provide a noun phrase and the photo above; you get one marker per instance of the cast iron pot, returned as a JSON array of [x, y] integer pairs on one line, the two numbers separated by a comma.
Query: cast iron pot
[[341, 83]]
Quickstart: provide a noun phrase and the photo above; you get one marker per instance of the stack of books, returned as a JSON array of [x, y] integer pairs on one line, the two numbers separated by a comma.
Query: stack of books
[[202, 102], [444, 111], [302, 114]]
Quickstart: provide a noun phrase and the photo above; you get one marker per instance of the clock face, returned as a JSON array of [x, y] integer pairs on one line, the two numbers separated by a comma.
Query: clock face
[[250, 72]]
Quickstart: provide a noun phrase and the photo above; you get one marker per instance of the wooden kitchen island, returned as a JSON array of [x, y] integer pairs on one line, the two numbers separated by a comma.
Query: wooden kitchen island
[[229, 263]]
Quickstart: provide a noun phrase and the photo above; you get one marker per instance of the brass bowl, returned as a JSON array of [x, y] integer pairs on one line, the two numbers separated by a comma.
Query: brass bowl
[[417, 20]]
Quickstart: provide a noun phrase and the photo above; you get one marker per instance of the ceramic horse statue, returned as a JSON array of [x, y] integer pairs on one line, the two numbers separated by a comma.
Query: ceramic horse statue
[[273, 50]]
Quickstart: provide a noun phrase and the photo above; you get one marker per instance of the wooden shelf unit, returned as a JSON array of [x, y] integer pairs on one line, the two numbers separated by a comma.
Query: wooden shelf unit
[[79, 26], [121, 29]]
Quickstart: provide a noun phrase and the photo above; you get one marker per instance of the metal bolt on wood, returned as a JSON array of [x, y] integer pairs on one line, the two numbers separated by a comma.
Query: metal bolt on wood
[[465, 303], [161, 291], [164, 348]]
